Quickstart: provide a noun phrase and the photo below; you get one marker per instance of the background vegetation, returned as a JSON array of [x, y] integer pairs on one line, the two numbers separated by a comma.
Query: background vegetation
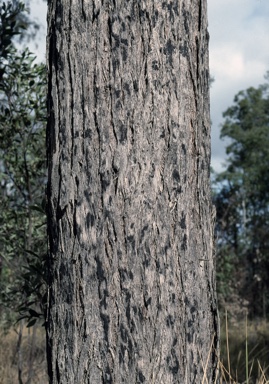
[[241, 196], [22, 199], [240, 193]]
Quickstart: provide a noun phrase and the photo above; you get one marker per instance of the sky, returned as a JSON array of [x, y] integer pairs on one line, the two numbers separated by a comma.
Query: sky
[[239, 57], [238, 51]]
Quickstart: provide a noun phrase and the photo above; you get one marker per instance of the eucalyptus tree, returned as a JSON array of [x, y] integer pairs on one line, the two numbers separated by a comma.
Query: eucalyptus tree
[[22, 169], [130, 220], [242, 199]]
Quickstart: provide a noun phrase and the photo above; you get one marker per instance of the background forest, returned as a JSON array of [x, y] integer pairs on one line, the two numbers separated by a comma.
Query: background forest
[[240, 194]]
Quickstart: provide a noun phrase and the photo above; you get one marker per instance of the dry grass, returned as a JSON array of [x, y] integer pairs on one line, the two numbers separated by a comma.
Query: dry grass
[[244, 353], [22, 356]]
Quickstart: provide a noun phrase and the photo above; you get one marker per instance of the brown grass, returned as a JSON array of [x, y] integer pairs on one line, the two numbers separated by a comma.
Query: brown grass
[[31, 356], [23, 356], [244, 357]]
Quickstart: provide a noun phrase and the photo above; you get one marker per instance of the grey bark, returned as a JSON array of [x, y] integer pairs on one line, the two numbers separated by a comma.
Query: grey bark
[[131, 270]]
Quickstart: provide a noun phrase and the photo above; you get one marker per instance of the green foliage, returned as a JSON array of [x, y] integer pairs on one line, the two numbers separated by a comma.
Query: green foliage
[[242, 200], [22, 174], [14, 23]]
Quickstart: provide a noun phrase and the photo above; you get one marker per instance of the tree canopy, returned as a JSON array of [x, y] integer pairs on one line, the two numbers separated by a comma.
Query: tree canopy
[[242, 199]]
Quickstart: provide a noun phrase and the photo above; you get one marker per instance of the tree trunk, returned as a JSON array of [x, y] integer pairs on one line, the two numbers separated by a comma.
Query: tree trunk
[[131, 272]]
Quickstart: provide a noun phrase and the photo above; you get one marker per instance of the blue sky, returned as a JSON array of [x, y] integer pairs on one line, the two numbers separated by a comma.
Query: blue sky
[[239, 54]]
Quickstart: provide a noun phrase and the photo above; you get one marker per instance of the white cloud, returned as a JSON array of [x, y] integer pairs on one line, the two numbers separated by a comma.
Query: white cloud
[[217, 164], [239, 56], [227, 62], [38, 12]]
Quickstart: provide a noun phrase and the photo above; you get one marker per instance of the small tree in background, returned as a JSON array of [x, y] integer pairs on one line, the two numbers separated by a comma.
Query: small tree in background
[[22, 170], [242, 200], [22, 181]]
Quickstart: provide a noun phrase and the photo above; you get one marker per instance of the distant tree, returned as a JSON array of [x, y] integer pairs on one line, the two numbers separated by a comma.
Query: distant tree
[[22, 171], [242, 199]]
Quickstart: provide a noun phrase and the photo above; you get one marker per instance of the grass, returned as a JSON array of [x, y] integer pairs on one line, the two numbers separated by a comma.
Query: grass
[[22, 356], [244, 356]]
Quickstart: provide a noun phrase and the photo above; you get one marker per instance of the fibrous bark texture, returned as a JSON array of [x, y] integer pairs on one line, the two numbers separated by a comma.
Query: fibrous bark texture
[[131, 271]]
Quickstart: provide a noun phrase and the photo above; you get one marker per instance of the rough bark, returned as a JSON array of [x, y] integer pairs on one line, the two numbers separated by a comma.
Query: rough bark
[[131, 270]]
